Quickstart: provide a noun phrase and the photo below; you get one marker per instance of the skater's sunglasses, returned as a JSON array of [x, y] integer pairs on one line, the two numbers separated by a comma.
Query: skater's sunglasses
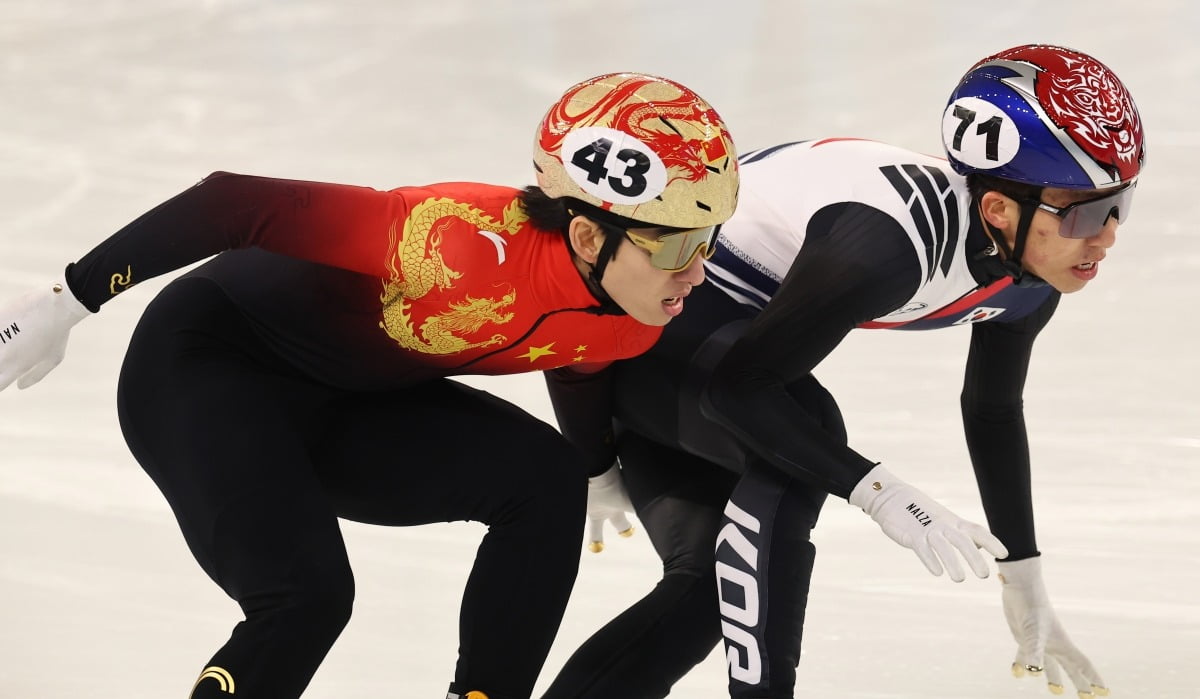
[[672, 251], [1086, 219], [675, 251]]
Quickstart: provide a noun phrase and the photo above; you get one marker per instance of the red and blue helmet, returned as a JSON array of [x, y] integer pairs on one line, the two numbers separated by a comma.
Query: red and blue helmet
[[1046, 116]]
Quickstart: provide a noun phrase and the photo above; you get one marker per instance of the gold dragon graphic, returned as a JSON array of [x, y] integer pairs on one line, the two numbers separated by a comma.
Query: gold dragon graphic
[[416, 266]]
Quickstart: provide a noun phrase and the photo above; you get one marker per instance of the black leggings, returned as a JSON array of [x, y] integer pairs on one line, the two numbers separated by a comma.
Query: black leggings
[[259, 462], [644, 650], [705, 521]]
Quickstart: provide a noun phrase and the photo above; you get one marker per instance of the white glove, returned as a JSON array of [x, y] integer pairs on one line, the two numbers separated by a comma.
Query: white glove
[[1041, 641], [33, 332], [607, 501], [916, 521]]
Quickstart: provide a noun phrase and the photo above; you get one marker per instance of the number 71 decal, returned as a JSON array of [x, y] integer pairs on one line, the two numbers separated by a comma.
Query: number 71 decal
[[979, 134]]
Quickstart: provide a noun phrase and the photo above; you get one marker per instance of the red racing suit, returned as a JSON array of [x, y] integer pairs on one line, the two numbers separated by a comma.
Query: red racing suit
[[382, 288]]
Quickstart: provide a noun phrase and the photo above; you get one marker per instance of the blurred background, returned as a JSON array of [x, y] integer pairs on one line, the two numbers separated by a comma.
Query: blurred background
[[112, 106]]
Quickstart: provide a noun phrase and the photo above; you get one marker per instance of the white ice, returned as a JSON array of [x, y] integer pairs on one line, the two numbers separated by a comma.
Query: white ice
[[111, 106]]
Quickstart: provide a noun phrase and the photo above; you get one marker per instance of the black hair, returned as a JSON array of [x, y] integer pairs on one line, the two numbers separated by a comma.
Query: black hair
[[545, 212]]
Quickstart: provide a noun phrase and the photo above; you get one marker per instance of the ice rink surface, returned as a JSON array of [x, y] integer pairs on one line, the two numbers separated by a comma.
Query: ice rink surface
[[109, 107]]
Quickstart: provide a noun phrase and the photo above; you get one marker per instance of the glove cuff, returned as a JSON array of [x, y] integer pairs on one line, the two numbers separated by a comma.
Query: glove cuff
[[609, 477], [1020, 572], [874, 484], [72, 308]]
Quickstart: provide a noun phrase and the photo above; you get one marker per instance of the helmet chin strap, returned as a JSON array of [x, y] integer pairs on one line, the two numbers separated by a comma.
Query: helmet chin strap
[[1011, 262], [608, 250]]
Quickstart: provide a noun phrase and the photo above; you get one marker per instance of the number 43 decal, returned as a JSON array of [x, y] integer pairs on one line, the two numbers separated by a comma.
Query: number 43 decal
[[613, 165], [979, 134], [593, 159]]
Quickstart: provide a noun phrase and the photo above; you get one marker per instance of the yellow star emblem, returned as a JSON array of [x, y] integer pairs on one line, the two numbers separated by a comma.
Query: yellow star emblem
[[536, 353]]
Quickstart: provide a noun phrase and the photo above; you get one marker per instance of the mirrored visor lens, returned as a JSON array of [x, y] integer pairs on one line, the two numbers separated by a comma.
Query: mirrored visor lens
[[679, 249], [1086, 219]]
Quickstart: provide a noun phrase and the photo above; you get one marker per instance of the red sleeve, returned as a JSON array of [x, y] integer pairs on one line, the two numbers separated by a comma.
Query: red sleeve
[[337, 225]]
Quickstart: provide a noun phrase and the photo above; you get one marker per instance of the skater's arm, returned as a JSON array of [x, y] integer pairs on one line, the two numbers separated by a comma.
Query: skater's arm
[[858, 265], [994, 424], [582, 401], [338, 225]]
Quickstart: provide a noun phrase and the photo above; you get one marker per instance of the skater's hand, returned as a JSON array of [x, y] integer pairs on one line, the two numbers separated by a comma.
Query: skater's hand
[[1042, 644], [607, 501], [33, 332], [916, 521]]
